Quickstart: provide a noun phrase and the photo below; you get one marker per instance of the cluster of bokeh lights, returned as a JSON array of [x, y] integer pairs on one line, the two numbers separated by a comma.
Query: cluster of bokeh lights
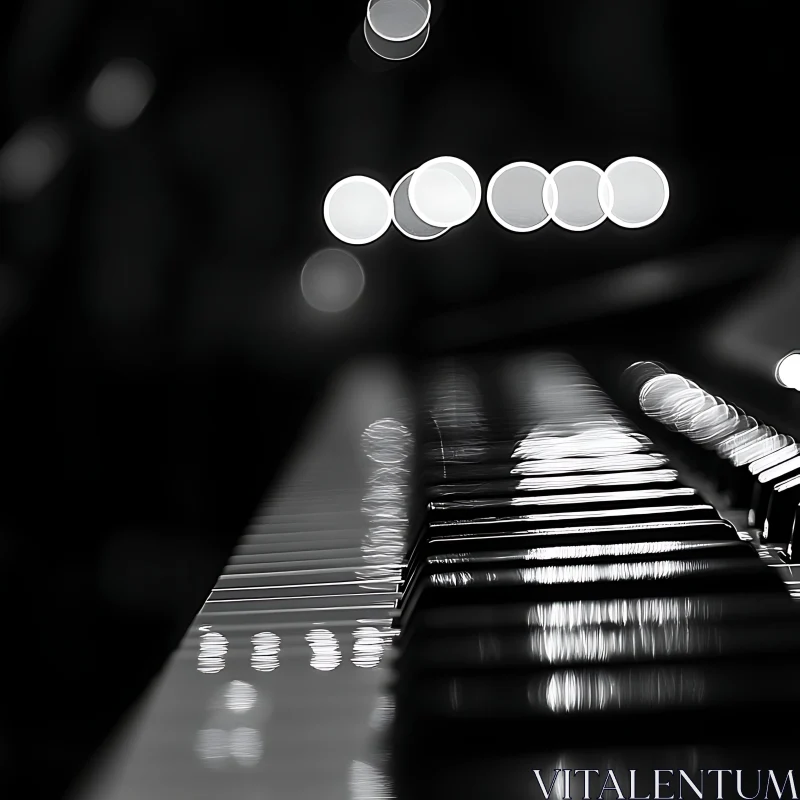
[[522, 197]]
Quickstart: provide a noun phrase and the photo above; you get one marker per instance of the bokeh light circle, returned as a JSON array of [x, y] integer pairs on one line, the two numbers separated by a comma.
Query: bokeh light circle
[[787, 371], [332, 280], [515, 197], [398, 20], [404, 217], [639, 192], [572, 195], [445, 192], [357, 210]]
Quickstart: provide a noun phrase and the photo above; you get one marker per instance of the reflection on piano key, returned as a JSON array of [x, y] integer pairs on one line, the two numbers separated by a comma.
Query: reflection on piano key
[[596, 442], [570, 691], [218, 748], [601, 550], [625, 462], [551, 483], [213, 649], [266, 650], [325, 652], [367, 782], [367, 647], [388, 444], [597, 497], [577, 552], [593, 644], [383, 713], [770, 460], [647, 611], [213, 746], [246, 746], [239, 697], [593, 573]]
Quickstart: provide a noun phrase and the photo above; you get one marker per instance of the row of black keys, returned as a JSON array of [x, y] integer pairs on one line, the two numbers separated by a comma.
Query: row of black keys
[[565, 587]]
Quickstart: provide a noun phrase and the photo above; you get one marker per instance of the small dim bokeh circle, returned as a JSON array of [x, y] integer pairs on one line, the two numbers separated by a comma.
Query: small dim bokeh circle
[[332, 280]]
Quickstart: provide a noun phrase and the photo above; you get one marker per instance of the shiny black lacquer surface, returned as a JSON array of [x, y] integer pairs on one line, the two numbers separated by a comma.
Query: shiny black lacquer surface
[[461, 580]]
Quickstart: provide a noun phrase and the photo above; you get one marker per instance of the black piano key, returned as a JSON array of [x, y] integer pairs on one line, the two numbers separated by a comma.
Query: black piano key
[[573, 535], [661, 478], [614, 612], [779, 520], [591, 582], [511, 650], [457, 473], [794, 542], [485, 452], [540, 557], [762, 490], [448, 510], [739, 477], [741, 449], [581, 514], [561, 708], [575, 554]]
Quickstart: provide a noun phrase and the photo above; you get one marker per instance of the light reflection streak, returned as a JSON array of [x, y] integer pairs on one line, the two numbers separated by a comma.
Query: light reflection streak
[[751, 435], [383, 713], [216, 747], [266, 650], [625, 462], [389, 445], [709, 421], [780, 469], [229, 736], [368, 647], [454, 401], [213, 649], [550, 483], [593, 644], [648, 611], [566, 552], [594, 573], [603, 550], [581, 514], [777, 457], [596, 442], [759, 449], [575, 573], [603, 497], [325, 652], [367, 782], [240, 697], [570, 691]]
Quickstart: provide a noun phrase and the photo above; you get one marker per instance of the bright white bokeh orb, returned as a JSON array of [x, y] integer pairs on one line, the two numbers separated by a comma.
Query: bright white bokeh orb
[[639, 192], [787, 372], [332, 280], [444, 192], [357, 210]]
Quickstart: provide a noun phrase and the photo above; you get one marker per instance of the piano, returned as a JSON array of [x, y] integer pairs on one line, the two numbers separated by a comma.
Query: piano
[[492, 577]]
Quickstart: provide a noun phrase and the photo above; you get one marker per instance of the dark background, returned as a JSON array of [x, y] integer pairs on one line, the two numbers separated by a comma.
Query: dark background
[[157, 359]]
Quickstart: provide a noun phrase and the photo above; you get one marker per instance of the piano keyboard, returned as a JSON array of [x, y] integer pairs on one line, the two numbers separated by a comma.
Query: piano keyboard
[[479, 573]]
